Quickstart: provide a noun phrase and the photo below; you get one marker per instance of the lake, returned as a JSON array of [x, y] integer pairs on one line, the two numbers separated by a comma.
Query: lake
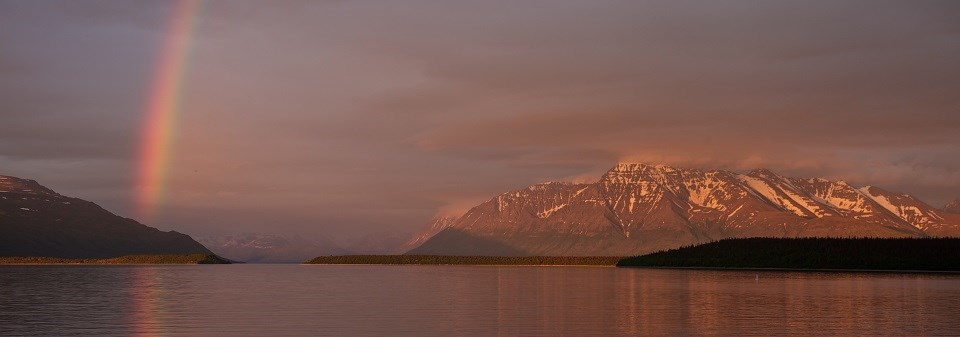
[[325, 300]]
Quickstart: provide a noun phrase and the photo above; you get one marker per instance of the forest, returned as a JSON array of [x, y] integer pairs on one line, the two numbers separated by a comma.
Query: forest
[[900, 254]]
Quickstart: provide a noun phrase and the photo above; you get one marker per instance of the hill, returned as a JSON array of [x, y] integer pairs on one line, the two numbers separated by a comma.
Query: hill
[[36, 221], [920, 254]]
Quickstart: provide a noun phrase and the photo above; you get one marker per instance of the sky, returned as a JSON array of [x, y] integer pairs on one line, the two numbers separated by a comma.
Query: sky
[[350, 119]]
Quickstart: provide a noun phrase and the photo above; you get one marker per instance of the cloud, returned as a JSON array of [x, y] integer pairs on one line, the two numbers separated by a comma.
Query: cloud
[[341, 118]]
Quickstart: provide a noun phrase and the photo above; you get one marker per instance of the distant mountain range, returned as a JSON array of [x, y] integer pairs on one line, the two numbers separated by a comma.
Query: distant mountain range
[[637, 208], [35, 221], [268, 248]]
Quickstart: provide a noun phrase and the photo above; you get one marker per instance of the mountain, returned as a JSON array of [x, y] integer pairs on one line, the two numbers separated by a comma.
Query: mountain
[[268, 248], [952, 207], [36, 221], [637, 208]]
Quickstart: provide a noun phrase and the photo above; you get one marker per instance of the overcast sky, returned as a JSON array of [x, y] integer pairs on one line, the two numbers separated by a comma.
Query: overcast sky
[[348, 118]]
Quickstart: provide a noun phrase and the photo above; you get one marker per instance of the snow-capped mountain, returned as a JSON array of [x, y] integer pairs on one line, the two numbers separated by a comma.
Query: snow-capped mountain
[[952, 207], [638, 208]]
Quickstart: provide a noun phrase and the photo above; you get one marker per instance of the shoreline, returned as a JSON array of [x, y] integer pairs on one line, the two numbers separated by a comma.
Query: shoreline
[[461, 264], [103, 264], [453, 260]]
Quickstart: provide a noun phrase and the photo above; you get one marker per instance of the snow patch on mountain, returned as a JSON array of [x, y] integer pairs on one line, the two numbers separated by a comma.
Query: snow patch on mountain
[[546, 213], [762, 188]]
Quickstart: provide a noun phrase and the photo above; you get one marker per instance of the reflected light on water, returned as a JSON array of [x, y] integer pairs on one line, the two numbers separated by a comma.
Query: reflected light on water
[[301, 300], [146, 291]]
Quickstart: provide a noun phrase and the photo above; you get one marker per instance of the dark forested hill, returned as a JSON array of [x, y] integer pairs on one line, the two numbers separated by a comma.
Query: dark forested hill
[[36, 221], [939, 254]]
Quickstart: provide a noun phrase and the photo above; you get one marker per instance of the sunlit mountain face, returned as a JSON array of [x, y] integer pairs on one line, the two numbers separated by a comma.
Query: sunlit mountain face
[[637, 208]]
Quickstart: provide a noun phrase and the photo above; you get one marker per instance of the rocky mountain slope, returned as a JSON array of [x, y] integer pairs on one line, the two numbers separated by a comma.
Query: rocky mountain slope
[[36, 221], [637, 208]]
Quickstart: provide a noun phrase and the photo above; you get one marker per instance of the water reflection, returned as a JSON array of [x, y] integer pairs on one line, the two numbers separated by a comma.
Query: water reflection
[[145, 292], [557, 301], [292, 300], [842, 304]]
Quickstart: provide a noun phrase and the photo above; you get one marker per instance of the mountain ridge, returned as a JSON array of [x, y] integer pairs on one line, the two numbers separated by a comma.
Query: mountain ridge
[[637, 208]]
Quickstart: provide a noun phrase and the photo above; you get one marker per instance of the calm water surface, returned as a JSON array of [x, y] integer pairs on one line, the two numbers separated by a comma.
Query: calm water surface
[[301, 300]]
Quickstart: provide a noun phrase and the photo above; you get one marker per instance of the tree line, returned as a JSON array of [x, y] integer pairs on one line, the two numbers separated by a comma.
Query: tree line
[[468, 260], [129, 259]]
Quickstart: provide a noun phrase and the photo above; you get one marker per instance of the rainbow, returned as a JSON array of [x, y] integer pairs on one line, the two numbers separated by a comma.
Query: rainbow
[[159, 125]]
